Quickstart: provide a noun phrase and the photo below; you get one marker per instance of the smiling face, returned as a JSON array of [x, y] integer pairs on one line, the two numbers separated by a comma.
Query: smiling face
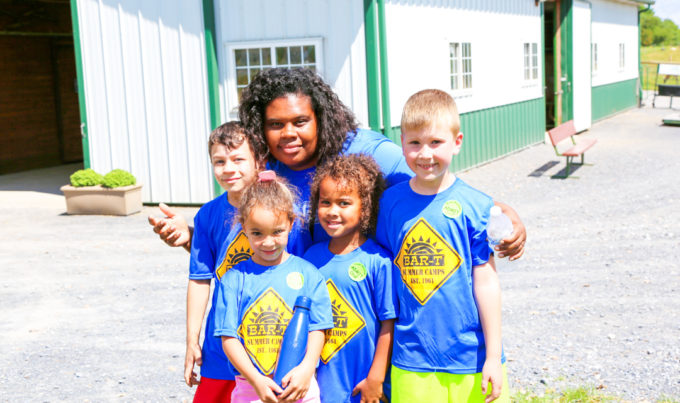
[[428, 153], [267, 232], [290, 130], [339, 211], [234, 169]]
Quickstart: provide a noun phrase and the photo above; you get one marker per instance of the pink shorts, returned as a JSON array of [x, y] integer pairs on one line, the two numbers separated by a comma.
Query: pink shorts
[[245, 393]]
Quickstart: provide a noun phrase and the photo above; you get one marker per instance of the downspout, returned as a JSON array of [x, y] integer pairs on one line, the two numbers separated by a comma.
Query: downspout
[[384, 79], [649, 6], [372, 63], [81, 84], [213, 73], [558, 63]]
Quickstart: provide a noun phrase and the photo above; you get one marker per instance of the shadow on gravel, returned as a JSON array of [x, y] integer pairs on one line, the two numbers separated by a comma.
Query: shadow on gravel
[[538, 172]]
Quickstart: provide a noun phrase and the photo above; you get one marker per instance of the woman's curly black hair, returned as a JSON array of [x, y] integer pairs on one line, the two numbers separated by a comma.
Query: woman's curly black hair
[[333, 119], [349, 172]]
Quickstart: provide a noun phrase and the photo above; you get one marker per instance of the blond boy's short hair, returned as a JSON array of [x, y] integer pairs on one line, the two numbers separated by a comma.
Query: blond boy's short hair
[[426, 108]]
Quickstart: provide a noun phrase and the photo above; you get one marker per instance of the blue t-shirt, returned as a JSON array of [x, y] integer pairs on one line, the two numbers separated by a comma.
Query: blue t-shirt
[[360, 287], [256, 302], [213, 232], [436, 241], [387, 155], [217, 245]]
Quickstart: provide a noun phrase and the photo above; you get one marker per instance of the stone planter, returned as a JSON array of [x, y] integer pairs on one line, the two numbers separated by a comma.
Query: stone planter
[[99, 200]]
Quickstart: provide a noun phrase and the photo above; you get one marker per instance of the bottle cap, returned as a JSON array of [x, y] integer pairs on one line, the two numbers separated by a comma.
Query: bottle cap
[[495, 211], [303, 302]]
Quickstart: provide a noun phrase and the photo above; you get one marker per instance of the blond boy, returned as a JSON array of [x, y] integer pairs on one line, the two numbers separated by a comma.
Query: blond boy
[[447, 339]]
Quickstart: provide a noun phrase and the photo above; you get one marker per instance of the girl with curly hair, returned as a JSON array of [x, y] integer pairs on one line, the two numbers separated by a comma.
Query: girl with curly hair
[[344, 197]]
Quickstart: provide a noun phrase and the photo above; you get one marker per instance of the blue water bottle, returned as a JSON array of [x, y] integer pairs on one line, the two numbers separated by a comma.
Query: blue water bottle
[[294, 343]]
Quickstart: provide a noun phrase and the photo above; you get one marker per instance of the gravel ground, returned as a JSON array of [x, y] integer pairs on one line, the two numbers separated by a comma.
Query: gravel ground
[[93, 306]]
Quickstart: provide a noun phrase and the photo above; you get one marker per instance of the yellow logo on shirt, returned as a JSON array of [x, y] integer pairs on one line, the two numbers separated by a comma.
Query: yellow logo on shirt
[[426, 261], [262, 328], [346, 324], [238, 251]]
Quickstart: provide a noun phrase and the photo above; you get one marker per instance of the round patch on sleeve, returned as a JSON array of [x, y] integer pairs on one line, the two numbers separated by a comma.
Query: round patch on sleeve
[[357, 271], [452, 209], [295, 280]]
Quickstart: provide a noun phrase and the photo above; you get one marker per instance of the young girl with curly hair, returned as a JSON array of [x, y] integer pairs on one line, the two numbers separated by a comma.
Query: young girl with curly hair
[[358, 272]]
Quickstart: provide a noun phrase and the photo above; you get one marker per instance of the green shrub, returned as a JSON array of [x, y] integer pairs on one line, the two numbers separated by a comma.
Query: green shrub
[[118, 178], [86, 177]]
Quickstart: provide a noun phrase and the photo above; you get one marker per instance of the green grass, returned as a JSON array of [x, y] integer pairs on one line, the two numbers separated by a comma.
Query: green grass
[[581, 394], [650, 56]]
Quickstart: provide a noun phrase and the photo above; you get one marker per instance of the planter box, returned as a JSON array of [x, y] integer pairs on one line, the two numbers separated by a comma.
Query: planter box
[[99, 200]]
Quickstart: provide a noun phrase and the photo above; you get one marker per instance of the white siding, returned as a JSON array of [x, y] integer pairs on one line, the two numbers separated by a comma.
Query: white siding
[[418, 37], [146, 94], [614, 23], [340, 24]]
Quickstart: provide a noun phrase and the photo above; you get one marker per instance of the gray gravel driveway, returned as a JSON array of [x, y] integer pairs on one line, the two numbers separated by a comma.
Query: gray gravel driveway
[[93, 306]]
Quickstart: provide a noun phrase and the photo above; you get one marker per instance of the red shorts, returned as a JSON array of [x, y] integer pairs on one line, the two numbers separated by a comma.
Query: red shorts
[[214, 391]]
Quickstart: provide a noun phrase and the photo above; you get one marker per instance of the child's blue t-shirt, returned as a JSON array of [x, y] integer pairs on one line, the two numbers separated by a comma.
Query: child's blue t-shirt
[[213, 232], [436, 241], [218, 243], [362, 295], [387, 155], [255, 304]]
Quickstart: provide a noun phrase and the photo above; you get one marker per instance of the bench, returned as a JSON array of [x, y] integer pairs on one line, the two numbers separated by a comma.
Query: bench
[[667, 90], [567, 131]]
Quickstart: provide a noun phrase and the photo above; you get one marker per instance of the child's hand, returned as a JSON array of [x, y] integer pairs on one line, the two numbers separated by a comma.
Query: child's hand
[[296, 383], [193, 356], [371, 390], [266, 389], [492, 372]]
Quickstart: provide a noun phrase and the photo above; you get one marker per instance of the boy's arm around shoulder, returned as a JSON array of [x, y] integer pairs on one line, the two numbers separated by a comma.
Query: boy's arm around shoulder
[[487, 293]]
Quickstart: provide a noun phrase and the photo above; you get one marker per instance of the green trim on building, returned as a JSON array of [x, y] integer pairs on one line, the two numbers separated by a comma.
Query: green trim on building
[[372, 63], [81, 84], [494, 132], [567, 62], [213, 72], [612, 98], [384, 76]]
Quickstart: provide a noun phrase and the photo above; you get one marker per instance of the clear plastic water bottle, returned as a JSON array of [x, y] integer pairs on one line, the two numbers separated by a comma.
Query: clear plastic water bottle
[[499, 226], [294, 343]]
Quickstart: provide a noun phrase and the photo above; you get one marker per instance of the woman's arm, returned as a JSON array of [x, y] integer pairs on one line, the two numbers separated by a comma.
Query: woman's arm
[[371, 388], [173, 228], [265, 387], [198, 293], [513, 245], [488, 297], [296, 382]]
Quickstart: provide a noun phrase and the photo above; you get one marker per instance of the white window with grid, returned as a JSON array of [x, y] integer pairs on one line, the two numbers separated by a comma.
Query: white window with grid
[[246, 59], [622, 56], [530, 62], [593, 58], [460, 60]]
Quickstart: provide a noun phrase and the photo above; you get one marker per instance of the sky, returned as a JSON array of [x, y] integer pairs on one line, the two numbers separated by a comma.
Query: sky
[[667, 9]]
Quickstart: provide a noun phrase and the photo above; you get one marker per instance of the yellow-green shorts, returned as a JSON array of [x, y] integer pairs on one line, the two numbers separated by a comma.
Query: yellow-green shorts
[[439, 387]]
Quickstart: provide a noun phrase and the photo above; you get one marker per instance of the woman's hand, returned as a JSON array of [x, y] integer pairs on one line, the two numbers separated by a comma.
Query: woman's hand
[[513, 245], [172, 229]]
